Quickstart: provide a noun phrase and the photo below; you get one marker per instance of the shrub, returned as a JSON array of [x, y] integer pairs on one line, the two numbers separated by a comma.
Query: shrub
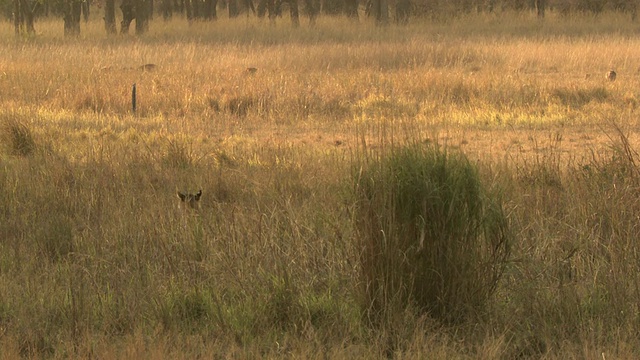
[[430, 236]]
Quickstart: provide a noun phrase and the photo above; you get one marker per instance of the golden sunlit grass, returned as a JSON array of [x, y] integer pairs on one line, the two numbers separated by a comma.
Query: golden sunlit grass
[[98, 260]]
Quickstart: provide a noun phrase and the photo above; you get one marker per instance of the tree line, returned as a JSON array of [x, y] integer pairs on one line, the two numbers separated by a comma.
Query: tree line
[[24, 12]]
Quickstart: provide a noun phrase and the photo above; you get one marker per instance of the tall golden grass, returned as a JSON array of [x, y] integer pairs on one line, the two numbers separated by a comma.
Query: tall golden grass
[[96, 259]]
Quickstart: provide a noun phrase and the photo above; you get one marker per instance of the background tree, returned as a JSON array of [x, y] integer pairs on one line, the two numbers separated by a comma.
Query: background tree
[[261, 10], [540, 7], [23, 14], [312, 7], [403, 8], [196, 9], [270, 6], [334, 7], [380, 11], [188, 9], [128, 14], [294, 12], [18, 20], [71, 15], [86, 9], [351, 9], [210, 11], [110, 16], [143, 12], [234, 11], [166, 6], [249, 6]]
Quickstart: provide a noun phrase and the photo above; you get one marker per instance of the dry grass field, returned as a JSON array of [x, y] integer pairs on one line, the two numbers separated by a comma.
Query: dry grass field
[[98, 260]]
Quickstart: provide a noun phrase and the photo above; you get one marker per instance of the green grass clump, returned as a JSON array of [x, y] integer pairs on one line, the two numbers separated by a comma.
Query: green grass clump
[[430, 235]]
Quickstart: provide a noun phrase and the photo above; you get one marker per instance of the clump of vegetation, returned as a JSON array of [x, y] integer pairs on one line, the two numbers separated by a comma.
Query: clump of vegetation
[[17, 138], [430, 235], [180, 155], [187, 309], [579, 97], [240, 106]]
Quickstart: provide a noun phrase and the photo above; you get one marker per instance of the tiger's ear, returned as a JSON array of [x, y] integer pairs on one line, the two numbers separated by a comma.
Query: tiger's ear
[[197, 196], [182, 196]]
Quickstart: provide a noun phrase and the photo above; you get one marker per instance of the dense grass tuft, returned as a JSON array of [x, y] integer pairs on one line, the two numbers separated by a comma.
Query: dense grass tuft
[[431, 236], [16, 137]]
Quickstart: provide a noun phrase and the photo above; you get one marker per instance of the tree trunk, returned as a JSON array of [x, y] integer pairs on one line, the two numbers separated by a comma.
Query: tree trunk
[[351, 9], [196, 8], [28, 11], [334, 7], [86, 9], [210, 11], [271, 9], [540, 7], [267, 7], [295, 13], [72, 15], [249, 5], [110, 16], [189, 10], [262, 8], [277, 6], [485, 6], [128, 14], [142, 14], [167, 9], [17, 17], [380, 11], [233, 8], [23, 17], [312, 8], [403, 8]]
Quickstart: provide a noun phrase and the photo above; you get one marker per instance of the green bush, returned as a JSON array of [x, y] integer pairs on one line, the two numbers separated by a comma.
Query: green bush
[[430, 236]]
